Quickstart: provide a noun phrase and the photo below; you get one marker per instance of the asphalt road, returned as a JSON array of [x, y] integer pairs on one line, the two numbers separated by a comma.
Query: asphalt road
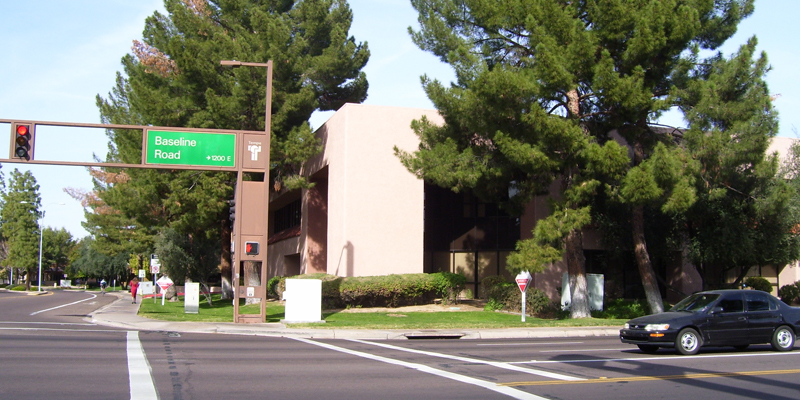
[[47, 350]]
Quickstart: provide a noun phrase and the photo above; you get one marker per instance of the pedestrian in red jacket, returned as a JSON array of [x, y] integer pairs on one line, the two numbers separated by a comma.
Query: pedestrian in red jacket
[[134, 288]]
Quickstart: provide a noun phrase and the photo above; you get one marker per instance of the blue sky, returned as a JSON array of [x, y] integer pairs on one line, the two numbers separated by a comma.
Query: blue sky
[[56, 56]]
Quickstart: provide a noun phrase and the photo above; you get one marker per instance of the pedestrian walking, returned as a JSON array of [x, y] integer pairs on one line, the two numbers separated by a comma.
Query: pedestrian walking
[[134, 288]]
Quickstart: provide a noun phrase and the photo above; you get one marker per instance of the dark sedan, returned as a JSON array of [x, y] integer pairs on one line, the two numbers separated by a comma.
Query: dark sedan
[[735, 318]]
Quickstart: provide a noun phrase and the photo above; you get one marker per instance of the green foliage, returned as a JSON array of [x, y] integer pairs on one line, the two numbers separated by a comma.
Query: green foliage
[[272, 286], [758, 283], [17, 288], [490, 285], [506, 296], [745, 209], [188, 258], [383, 291], [93, 264], [20, 222], [790, 294], [623, 309], [174, 78], [448, 286]]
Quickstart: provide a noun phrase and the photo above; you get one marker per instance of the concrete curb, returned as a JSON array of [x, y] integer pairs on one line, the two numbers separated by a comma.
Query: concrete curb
[[122, 314]]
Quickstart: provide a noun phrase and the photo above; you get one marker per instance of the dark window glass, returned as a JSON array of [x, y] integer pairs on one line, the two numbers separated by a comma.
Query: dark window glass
[[732, 304], [757, 301], [287, 216]]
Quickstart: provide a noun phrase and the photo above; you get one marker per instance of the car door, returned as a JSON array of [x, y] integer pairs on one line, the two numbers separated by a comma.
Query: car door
[[762, 316], [727, 323]]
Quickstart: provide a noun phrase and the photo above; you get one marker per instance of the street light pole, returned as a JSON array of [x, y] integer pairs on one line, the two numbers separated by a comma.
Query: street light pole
[[268, 66], [41, 239], [41, 236]]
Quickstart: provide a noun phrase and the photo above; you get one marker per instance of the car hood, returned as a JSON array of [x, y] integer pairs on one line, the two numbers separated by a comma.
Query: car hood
[[661, 318]]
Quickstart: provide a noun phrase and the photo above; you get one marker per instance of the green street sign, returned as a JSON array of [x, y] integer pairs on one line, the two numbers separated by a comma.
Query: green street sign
[[191, 148]]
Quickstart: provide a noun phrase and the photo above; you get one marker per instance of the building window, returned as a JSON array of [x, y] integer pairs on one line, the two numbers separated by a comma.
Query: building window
[[287, 216]]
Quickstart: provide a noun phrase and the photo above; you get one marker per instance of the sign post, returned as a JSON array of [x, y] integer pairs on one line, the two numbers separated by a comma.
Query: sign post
[[523, 280], [164, 283]]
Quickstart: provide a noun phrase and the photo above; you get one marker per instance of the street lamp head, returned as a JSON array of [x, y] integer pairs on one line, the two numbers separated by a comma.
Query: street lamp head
[[231, 63]]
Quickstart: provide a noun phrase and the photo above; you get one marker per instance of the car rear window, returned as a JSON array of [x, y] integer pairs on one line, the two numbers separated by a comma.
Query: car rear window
[[758, 302]]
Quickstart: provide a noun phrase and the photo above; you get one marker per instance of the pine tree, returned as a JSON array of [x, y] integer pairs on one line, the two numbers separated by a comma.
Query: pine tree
[[746, 211], [20, 215], [174, 78], [541, 86]]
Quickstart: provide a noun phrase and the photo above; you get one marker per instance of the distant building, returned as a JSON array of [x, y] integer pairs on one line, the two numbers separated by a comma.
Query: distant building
[[367, 215]]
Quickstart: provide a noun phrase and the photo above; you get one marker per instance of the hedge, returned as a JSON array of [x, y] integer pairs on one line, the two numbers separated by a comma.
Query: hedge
[[382, 291], [789, 294]]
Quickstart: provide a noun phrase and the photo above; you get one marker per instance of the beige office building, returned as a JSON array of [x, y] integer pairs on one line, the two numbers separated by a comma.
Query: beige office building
[[367, 215]]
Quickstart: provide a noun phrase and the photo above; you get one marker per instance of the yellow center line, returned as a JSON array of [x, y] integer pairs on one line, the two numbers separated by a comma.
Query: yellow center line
[[656, 378]]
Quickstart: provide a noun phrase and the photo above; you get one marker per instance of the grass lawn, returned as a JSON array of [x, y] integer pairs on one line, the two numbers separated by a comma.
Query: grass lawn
[[222, 311]]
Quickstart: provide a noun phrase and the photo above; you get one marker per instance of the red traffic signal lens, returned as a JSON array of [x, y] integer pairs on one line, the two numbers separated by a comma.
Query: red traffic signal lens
[[22, 130]]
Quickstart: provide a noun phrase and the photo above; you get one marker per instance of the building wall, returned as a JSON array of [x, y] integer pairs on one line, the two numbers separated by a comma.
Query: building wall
[[365, 215]]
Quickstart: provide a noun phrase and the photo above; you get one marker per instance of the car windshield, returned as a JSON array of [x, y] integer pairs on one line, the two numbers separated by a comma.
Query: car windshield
[[695, 302]]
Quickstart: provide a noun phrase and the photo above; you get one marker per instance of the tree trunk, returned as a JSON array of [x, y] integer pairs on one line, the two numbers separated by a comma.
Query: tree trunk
[[576, 267], [649, 282], [225, 261]]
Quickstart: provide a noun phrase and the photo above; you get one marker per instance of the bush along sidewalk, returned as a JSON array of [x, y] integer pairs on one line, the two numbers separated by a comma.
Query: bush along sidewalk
[[381, 291]]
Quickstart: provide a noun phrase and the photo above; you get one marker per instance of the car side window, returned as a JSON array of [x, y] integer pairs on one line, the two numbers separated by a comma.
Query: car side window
[[758, 302], [731, 304]]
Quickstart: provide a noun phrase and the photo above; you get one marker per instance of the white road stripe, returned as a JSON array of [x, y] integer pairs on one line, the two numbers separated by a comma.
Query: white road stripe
[[139, 373], [64, 305], [515, 393], [502, 365]]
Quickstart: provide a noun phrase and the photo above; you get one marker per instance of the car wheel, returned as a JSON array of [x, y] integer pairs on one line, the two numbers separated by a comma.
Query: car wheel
[[648, 348], [688, 342], [741, 346], [783, 339]]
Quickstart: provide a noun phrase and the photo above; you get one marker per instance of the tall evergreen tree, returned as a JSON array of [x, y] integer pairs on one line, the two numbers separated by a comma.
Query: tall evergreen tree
[[745, 215], [20, 215], [174, 78], [540, 87]]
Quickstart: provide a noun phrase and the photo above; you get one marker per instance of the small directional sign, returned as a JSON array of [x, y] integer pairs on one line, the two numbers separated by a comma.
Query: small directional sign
[[191, 148]]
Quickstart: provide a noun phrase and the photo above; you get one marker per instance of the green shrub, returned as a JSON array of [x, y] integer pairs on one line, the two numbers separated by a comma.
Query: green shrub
[[790, 294], [448, 286], [16, 288], [623, 309], [383, 291], [758, 283], [490, 285], [272, 287]]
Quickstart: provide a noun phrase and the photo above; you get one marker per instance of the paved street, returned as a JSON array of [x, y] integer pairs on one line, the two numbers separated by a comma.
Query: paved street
[[51, 348]]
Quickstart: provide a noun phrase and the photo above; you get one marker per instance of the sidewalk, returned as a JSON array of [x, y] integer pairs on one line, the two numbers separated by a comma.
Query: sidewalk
[[122, 314]]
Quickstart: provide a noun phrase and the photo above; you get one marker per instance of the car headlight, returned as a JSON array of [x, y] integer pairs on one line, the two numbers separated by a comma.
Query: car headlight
[[656, 327], [627, 326]]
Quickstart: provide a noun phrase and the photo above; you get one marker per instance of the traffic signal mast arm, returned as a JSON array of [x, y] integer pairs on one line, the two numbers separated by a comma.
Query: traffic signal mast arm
[[31, 126]]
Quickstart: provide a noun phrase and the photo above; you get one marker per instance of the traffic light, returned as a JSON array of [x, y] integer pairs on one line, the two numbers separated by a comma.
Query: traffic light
[[251, 248], [22, 141], [232, 210]]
